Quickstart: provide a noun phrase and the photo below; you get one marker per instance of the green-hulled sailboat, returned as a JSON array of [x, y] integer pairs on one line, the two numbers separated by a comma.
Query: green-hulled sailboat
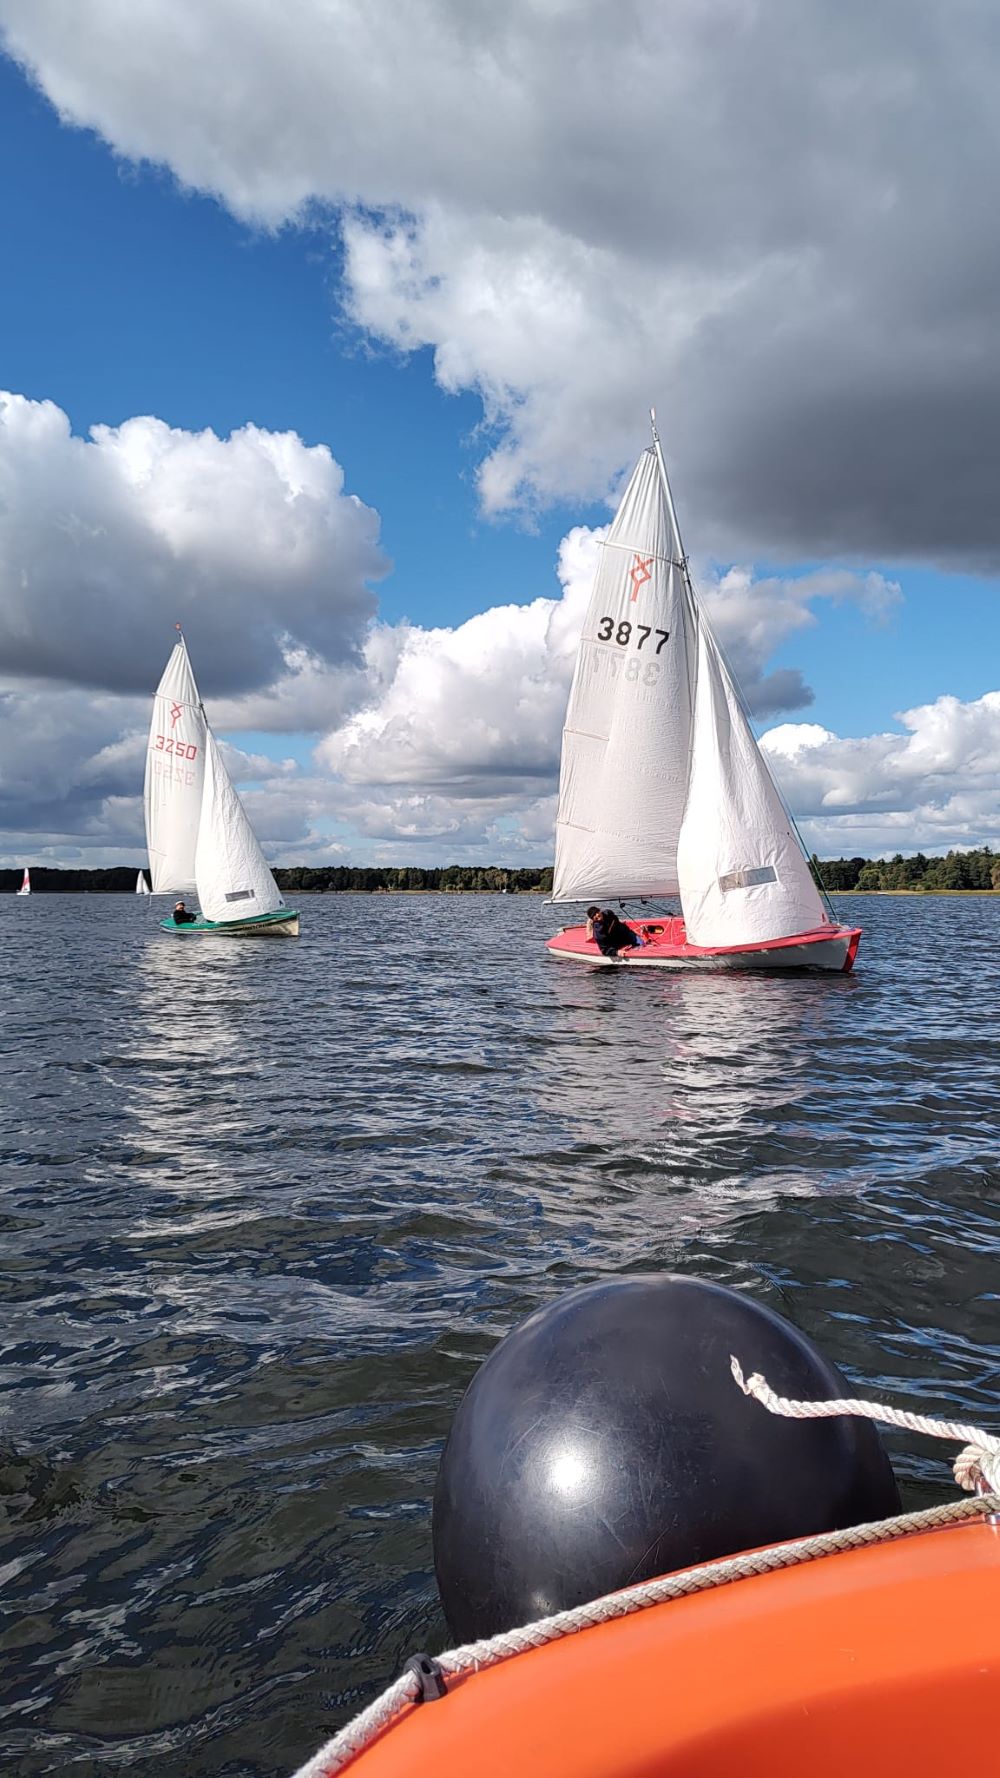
[[199, 837]]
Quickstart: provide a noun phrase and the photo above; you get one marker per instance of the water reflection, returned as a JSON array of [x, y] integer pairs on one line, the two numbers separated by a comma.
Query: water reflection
[[694, 1068], [268, 1205]]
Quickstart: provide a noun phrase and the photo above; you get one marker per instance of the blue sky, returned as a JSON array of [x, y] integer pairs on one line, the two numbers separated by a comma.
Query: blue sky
[[423, 291], [132, 297]]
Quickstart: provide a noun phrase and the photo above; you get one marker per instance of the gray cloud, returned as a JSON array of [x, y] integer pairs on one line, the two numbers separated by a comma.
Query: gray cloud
[[106, 542], [777, 219]]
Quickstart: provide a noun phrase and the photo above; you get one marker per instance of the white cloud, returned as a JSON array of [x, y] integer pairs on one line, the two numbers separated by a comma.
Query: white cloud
[[444, 740], [754, 617], [751, 213], [931, 787], [479, 708], [436, 743], [106, 542], [72, 768]]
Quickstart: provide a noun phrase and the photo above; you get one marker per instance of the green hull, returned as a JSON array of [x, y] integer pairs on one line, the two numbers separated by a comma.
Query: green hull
[[283, 923]]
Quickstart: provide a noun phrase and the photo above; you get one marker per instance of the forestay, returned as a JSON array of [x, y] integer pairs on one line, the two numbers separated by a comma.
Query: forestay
[[743, 875], [626, 741], [234, 880], [175, 772]]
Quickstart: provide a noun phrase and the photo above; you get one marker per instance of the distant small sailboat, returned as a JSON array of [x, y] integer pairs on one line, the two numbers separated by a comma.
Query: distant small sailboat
[[25, 888], [199, 837], [141, 885], [664, 789]]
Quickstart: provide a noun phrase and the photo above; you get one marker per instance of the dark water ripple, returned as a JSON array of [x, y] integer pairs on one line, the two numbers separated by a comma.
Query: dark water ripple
[[265, 1207]]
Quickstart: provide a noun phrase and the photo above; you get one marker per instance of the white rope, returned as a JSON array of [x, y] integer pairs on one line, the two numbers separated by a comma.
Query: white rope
[[345, 1746], [977, 1466], [362, 1728]]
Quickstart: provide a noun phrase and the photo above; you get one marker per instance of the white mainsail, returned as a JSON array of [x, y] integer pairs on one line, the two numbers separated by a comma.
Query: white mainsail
[[627, 736], [175, 773], [141, 885], [743, 874], [233, 877], [664, 789], [25, 888]]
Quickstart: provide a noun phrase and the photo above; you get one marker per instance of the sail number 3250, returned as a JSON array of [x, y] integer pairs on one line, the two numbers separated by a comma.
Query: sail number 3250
[[180, 749], [622, 633]]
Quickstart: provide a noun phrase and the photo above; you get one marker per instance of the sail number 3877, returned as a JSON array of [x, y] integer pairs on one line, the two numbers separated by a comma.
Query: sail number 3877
[[625, 632]]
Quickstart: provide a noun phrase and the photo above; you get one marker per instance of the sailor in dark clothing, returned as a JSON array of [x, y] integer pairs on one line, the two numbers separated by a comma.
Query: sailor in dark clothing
[[610, 934], [181, 915]]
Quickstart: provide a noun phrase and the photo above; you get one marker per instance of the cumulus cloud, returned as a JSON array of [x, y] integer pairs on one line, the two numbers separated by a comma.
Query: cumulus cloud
[[752, 617], [71, 774], [478, 708], [439, 741], [68, 765], [755, 214], [69, 792], [932, 786], [249, 541]]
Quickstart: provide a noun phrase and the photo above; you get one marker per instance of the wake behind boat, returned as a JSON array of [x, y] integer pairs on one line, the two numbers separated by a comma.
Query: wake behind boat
[[664, 790], [199, 836]]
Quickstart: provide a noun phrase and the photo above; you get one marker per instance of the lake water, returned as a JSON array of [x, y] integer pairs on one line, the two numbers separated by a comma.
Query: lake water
[[266, 1206]]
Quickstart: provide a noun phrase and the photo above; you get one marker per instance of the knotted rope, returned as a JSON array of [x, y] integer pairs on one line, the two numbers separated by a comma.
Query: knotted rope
[[976, 1468]]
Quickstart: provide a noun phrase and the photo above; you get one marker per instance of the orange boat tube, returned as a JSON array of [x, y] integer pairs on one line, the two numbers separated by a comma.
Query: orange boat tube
[[883, 1659]]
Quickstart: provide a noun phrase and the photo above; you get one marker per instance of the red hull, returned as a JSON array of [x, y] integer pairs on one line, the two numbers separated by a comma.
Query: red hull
[[666, 947]]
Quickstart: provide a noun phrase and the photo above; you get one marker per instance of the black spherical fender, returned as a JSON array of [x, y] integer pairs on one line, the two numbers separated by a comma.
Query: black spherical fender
[[605, 1442]]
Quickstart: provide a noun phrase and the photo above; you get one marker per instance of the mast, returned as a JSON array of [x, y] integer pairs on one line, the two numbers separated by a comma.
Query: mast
[[681, 559], [665, 479], [700, 618], [182, 639]]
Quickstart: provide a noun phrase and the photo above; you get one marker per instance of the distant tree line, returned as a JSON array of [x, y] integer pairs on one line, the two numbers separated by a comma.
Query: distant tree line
[[979, 869], [47, 880], [300, 878]]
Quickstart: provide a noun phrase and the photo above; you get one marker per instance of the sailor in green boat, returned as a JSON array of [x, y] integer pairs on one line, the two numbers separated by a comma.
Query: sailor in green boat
[[182, 915]]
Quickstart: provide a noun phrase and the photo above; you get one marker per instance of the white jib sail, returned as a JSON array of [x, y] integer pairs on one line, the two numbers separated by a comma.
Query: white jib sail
[[175, 774], [743, 875], [233, 876], [25, 888], [626, 741], [141, 885]]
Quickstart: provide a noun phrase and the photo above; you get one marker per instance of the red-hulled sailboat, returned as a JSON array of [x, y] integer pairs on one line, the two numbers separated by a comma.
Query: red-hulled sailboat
[[664, 790]]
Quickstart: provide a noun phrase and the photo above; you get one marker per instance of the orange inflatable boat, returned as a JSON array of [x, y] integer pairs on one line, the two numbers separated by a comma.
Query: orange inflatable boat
[[881, 1658]]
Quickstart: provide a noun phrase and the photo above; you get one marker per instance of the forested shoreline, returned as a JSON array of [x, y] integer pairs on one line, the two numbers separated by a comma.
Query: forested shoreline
[[311, 879], [976, 870]]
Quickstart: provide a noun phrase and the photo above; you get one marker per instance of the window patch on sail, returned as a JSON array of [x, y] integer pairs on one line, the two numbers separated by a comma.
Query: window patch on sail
[[241, 895], [746, 879]]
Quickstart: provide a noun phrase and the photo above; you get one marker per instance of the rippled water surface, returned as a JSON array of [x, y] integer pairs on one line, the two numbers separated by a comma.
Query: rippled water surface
[[266, 1205]]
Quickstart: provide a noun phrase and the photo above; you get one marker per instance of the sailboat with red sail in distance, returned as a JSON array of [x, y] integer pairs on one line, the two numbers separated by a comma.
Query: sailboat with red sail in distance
[[25, 888], [664, 790]]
